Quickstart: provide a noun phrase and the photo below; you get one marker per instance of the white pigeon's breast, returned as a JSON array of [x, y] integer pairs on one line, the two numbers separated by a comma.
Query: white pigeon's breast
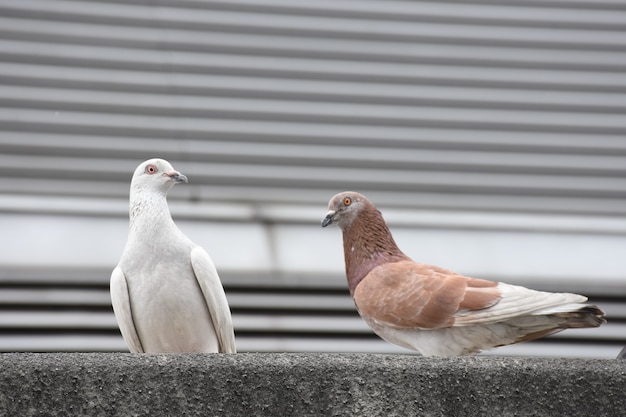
[[169, 310]]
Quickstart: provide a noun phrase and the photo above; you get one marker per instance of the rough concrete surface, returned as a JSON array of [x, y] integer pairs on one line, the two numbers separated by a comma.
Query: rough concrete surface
[[307, 384]]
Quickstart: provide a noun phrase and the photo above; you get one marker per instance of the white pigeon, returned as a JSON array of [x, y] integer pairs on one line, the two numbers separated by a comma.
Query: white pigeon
[[165, 291]]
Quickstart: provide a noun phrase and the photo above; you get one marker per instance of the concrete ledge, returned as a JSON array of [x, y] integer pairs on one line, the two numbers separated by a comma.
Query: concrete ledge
[[117, 384]]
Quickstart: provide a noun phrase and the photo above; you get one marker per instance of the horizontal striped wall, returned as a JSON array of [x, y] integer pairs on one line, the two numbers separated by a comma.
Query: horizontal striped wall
[[490, 135]]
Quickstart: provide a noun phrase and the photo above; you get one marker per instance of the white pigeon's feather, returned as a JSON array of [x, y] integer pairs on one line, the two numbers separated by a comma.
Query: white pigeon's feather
[[121, 308], [211, 287]]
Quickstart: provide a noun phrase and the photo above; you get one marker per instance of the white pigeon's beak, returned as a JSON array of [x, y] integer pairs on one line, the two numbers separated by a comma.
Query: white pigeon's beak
[[177, 176], [329, 218]]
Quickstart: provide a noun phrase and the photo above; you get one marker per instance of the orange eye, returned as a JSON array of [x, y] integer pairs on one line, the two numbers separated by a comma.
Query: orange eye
[[347, 201], [151, 169]]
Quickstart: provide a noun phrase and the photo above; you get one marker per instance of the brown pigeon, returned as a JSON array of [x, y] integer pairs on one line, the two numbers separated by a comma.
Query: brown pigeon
[[434, 310]]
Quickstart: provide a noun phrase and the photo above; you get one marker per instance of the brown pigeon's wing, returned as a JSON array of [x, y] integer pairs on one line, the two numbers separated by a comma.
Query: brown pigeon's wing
[[517, 301], [407, 295]]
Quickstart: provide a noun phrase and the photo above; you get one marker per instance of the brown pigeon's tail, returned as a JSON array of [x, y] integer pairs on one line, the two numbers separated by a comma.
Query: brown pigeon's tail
[[555, 319], [581, 316]]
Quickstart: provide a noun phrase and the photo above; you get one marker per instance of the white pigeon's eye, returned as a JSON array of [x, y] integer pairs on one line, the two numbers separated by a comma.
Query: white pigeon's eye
[[151, 169], [347, 201]]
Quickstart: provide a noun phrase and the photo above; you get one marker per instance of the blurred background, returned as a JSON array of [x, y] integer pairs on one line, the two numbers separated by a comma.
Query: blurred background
[[491, 136]]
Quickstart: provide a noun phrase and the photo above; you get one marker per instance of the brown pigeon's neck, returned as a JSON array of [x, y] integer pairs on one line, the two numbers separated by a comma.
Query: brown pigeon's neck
[[367, 243]]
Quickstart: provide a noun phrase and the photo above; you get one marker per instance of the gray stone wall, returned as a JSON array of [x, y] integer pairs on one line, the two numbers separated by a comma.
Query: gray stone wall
[[114, 384]]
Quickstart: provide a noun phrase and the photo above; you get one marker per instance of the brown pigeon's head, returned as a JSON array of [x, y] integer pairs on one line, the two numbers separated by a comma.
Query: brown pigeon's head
[[343, 208], [155, 175]]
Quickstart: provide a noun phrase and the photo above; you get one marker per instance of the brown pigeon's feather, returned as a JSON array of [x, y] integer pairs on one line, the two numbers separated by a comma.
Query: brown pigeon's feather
[[368, 243], [409, 295], [434, 310]]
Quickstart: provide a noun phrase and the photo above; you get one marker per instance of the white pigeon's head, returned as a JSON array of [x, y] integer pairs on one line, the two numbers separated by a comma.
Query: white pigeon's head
[[156, 175]]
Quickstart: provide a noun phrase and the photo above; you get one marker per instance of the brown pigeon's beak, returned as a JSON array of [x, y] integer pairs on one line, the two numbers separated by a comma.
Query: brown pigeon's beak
[[328, 219], [176, 176]]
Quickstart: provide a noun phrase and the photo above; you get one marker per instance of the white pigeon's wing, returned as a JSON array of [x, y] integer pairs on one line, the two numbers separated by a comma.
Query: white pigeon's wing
[[214, 295], [121, 307]]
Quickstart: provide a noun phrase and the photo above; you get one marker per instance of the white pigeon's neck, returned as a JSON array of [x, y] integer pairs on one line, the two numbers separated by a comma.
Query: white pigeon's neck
[[149, 210]]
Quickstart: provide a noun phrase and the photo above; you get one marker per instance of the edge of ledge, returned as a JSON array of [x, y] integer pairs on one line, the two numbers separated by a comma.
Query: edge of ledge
[[307, 384]]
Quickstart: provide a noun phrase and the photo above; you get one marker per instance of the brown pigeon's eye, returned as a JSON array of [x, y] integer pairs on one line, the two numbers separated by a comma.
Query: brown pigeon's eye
[[151, 169], [347, 201]]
